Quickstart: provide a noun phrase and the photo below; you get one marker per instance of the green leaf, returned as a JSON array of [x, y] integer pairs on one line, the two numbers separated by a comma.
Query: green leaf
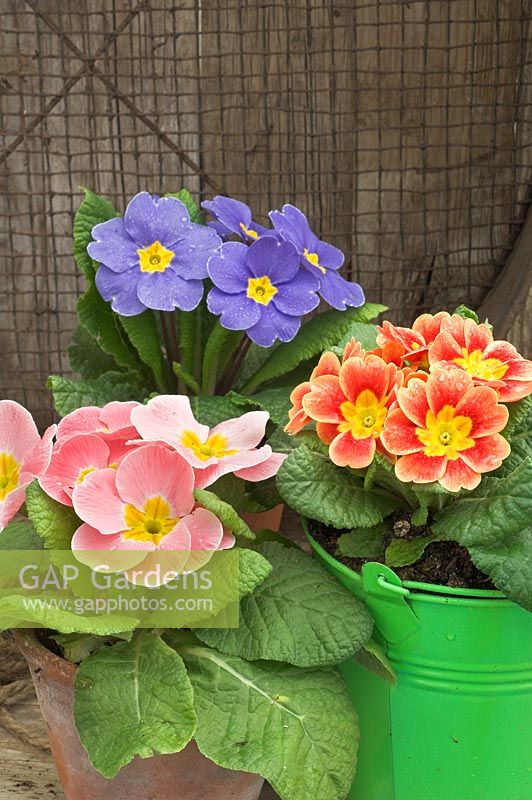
[[102, 323], [20, 535], [315, 487], [466, 313], [276, 402], [255, 358], [55, 523], [218, 349], [496, 509], [213, 410], [15, 612], [401, 552], [225, 513], [188, 379], [85, 356], [373, 658], [143, 335], [253, 570], [139, 694], [261, 496], [194, 210], [91, 212], [187, 338], [296, 728], [77, 646], [300, 614], [518, 431], [363, 542], [363, 332], [319, 333], [509, 565], [70, 395]]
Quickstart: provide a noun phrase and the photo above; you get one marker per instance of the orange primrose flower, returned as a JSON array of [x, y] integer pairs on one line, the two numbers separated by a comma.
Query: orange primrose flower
[[350, 408], [466, 345], [398, 344], [447, 430]]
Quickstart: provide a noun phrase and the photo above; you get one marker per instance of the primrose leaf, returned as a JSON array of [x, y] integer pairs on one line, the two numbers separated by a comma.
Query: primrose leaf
[[15, 612], [85, 356], [300, 614], [139, 694], [103, 324], [20, 535], [213, 410], [276, 402], [225, 513], [54, 522], [498, 508], [509, 565], [315, 487], [295, 727], [194, 210], [466, 313], [218, 349], [401, 552], [363, 542], [254, 569], [92, 211], [373, 658], [142, 333], [318, 334], [70, 395]]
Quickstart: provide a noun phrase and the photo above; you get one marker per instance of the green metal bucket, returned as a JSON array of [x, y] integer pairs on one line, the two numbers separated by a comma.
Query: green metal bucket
[[458, 724]]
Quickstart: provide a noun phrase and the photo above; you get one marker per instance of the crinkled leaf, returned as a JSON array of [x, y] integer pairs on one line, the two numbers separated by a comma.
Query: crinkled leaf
[[295, 727], [77, 646], [225, 513], [194, 210], [315, 487], [300, 614], [261, 496], [54, 522], [276, 402], [373, 658], [363, 542], [85, 356], [218, 349], [401, 552], [92, 211], [102, 323], [20, 535], [518, 431], [255, 358], [499, 507], [213, 410], [318, 334], [142, 333], [16, 612], [133, 699], [509, 565], [466, 313], [70, 395], [253, 570]]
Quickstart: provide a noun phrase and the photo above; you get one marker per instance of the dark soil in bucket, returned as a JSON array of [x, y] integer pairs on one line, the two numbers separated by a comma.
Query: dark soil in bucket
[[442, 563]]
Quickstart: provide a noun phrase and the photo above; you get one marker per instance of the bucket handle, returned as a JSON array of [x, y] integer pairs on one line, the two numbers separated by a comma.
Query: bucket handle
[[387, 599]]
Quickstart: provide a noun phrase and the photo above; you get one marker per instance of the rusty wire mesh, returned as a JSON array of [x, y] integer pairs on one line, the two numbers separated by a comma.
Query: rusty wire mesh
[[403, 129]]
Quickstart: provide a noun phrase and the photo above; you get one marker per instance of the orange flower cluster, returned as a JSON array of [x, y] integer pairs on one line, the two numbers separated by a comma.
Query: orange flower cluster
[[428, 397]]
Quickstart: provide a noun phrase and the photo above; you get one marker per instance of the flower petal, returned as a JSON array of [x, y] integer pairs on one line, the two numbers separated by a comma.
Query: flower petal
[[111, 553], [154, 470], [399, 434], [412, 399], [207, 473], [69, 461], [113, 246], [329, 364], [323, 402], [227, 268], [149, 219], [277, 259], [340, 293], [329, 256], [419, 468], [164, 419], [82, 420], [18, 432], [165, 291], [231, 213], [459, 475], [446, 387], [293, 226], [97, 502], [273, 325], [357, 375], [12, 504], [488, 453], [244, 432], [298, 296], [481, 405], [193, 250], [326, 431], [120, 291], [237, 311], [346, 451], [444, 348], [266, 469]]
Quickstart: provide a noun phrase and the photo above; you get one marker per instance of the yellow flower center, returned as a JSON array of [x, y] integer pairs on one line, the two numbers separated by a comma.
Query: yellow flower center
[[215, 446], [314, 260], [261, 290], [9, 474], [83, 474], [488, 369], [365, 417], [248, 231], [155, 258], [152, 523], [446, 434]]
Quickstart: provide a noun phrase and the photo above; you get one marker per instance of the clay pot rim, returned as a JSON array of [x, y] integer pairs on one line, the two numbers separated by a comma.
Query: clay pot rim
[[39, 655]]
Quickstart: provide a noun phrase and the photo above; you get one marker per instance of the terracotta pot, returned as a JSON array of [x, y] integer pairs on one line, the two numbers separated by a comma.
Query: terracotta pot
[[187, 775], [261, 520]]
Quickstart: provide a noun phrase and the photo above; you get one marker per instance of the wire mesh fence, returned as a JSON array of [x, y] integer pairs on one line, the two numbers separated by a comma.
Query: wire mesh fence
[[403, 129]]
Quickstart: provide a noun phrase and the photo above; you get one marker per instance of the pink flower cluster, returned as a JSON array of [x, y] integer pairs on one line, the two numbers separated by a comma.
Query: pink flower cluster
[[129, 471]]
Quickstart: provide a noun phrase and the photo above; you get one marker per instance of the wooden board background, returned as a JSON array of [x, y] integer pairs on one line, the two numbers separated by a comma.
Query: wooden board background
[[402, 128]]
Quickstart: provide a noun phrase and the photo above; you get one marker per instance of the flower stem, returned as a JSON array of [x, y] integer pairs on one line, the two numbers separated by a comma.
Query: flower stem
[[227, 381]]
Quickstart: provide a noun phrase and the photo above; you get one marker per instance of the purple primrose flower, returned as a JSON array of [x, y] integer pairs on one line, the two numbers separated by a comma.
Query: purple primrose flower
[[232, 216], [261, 289], [321, 259], [153, 257]]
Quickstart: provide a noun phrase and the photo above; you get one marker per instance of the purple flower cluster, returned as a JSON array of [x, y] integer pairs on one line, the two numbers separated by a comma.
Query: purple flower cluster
[[155, 257]]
